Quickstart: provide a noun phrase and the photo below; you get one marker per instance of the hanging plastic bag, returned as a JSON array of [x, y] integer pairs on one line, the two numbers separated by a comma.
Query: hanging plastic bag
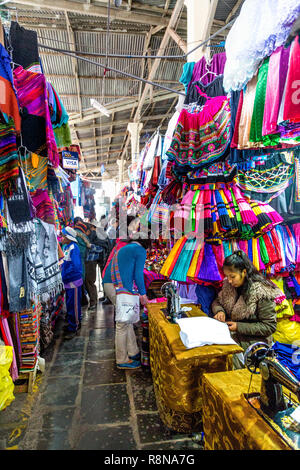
[[287, 331], [6, 383]]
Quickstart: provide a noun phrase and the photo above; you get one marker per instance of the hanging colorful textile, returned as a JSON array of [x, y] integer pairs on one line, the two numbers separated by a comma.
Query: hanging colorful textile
[[32, 94], [24, 47], [291, 104], [201, 138], [8, 103], [272, 175], [252, 38], [42, 261], [35, 168], [9, 163], [258, 109]]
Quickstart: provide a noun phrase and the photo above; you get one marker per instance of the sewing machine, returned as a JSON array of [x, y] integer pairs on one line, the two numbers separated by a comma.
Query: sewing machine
[[272, 404], [173, 310]]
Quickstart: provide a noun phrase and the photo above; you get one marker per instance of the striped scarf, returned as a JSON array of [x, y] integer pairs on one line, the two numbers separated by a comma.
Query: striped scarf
[[9, 163]]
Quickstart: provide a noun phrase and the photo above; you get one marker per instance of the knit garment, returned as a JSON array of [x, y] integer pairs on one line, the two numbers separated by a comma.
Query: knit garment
[[25, 46], [43, 264], [32, 94], [9, 163]]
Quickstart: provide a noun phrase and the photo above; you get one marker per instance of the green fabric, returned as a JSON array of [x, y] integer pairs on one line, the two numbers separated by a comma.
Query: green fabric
[[263, 251], [63, 136], [259, 103], [192, 213]]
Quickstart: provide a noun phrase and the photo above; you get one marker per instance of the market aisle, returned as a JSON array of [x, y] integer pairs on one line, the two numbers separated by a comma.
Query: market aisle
[[83, 402]]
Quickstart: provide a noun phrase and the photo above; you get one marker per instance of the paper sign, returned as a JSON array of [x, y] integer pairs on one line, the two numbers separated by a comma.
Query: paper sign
[[70, 160]]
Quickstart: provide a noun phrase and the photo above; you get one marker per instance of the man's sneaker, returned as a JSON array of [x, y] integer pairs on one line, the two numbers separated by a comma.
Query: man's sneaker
[[92, 307], [137, 357], [129, 365]]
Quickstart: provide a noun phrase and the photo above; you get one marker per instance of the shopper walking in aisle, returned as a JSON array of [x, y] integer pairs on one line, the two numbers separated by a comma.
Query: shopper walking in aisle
[[72, 279], [246, 303], [120, 242], [98, 251], [129, 262], [82, 234]]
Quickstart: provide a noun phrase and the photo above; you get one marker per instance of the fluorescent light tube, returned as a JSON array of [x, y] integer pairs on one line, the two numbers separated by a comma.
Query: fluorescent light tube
[[99, 107]]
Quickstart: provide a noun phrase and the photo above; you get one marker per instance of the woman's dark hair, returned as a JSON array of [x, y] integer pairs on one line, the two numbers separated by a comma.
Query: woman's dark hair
[[145, 242], [240, 261]]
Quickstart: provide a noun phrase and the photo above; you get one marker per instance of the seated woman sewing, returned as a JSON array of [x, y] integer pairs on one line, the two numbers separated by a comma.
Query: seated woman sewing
[[246, 303]]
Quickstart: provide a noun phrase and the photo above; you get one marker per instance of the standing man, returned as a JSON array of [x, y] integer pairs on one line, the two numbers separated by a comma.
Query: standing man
[[72, 279], [97, 253], [82, 234]]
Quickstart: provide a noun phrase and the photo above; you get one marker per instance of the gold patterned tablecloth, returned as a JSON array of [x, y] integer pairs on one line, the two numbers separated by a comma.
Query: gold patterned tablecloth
[[177, 371], [229, 422]]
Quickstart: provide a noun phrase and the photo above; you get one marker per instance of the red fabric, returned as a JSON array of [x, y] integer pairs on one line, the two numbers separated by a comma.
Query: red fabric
[[292, 98], [116, 248], [235, 137]]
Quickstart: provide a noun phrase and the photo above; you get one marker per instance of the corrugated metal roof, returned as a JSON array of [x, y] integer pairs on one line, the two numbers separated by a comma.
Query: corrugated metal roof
[[125, 37]]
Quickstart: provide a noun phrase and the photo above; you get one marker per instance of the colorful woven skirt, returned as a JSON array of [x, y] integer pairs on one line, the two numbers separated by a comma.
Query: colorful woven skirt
[[202, 137], [221, 211], [274, 253]]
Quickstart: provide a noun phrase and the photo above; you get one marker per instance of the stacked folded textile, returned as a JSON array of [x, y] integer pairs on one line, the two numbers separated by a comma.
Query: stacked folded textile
[[27, 327]]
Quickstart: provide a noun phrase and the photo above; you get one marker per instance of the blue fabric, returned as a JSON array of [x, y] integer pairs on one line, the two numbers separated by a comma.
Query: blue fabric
[[205, 297], [5, 68], [94, 252], [72, 267], [187, 74], [131, 261], [289, 357], [107, 277], [73, 303]]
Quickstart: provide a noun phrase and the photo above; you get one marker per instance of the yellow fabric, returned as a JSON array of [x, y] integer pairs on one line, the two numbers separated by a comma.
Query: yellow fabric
[[6, 383], [229, 422], [287, 331], [177, 371], [285, 309], [255, 253], [192, 269], [166, 266]]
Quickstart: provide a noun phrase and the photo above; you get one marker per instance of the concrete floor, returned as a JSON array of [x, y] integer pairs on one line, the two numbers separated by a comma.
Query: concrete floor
[[83, 402]]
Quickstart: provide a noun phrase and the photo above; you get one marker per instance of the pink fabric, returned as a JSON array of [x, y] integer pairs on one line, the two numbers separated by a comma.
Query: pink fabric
[[272, 103], [292, 96], [296, 228], [217, 66], [13, 368]]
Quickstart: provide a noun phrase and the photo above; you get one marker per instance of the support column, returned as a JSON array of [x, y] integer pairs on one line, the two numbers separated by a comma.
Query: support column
[[120, 164], [200, 16], [135, 129]]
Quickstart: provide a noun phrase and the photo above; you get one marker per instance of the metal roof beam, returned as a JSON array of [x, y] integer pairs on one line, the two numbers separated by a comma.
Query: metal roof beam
[[74, 60], [117, 107], [117, 134], [142, 17]]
